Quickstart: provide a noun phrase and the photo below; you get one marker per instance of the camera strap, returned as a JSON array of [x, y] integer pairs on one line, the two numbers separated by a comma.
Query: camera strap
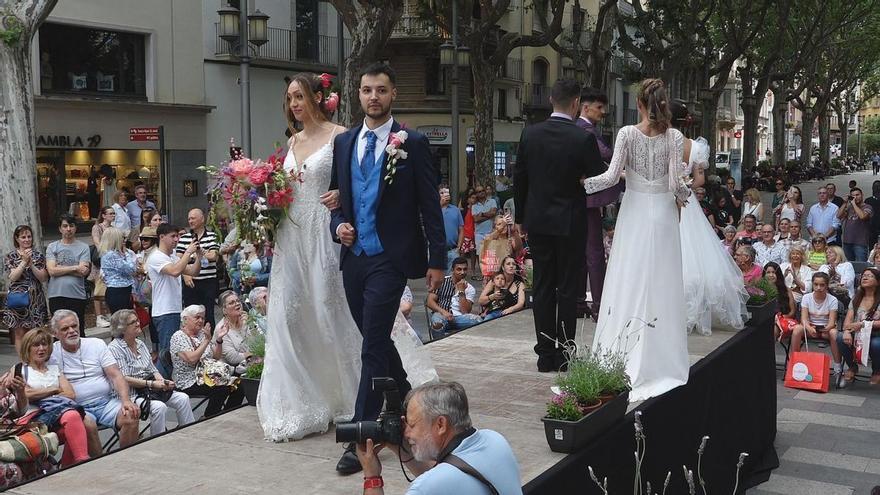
[[449, 458]]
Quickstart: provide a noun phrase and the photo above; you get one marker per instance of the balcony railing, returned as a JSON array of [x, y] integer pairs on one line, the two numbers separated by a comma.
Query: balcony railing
[[630, 116], [282, 47], [539, 96], [725, 115], [411, 26], [513, 69]]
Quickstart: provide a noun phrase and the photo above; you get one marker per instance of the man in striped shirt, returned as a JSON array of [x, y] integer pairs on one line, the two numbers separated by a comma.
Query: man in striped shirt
[[202, 288]]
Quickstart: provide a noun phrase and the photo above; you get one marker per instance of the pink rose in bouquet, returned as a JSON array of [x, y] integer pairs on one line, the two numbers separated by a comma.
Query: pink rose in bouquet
[[260, 174], [240, 169]]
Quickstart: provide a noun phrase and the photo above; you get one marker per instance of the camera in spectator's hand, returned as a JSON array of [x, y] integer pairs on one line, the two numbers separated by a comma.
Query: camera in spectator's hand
[[387, 429]]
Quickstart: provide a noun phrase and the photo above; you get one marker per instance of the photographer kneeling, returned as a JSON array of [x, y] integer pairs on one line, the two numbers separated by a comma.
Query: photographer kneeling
[[447, 452]]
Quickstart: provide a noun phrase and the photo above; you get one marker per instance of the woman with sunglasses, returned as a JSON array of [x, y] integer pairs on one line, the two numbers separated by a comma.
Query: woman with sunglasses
[[818, 253]]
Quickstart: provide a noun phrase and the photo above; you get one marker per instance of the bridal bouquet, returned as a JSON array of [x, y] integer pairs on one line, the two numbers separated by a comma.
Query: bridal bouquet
[[253, 194]]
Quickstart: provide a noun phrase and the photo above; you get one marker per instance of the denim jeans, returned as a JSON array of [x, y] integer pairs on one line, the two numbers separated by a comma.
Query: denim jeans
[[459, 322], [166, 325], [855, 252], [848, 353], [451, 254]]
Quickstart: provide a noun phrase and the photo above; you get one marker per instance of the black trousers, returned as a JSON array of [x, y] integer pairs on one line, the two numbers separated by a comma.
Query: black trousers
[[78, 306], [219, 398], [203, 292], [373, 287], [118, 298], [558, 268]]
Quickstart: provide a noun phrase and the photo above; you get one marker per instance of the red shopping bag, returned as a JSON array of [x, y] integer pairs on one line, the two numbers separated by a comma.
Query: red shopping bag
[[808, 370]]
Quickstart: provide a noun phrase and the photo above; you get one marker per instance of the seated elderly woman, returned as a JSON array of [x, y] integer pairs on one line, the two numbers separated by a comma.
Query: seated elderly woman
[[818, 253], [248, 268], [862, 312], [798, 276], [729, 241], [258, 300], [745, 260], [190, 346], [144, 380], [232, 333], [841, 273], [505, 293], [50, 399]]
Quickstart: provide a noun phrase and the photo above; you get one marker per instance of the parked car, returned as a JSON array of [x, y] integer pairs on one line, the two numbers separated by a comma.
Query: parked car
[[722, 160]]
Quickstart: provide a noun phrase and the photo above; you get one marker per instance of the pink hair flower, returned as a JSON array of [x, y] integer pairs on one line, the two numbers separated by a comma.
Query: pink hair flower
[[326, 80], [332, 102]]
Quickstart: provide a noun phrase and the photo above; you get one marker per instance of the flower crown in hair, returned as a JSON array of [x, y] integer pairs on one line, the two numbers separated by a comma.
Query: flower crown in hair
[[331, 101]]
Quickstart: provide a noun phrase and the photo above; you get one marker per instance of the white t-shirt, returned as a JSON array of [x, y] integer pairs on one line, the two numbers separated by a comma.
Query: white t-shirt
[[819, 313], [167, 295], [39, 379], [469, 293], [84, 369]]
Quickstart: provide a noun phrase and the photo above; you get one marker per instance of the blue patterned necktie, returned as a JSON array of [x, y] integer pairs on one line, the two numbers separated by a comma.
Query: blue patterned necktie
[[369, 158]]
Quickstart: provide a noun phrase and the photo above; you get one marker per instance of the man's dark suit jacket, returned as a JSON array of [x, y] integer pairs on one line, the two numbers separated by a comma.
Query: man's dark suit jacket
[[553, 156]]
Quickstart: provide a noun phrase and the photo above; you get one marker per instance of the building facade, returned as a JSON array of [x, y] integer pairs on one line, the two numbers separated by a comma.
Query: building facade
[[101, 68]]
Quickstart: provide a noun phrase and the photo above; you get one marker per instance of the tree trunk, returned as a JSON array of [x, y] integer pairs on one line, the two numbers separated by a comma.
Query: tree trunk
[[807, 135], [709, 127], [484, 132], [18, 192], [825, 137], [750, 135], [843, 124], [780, 108]]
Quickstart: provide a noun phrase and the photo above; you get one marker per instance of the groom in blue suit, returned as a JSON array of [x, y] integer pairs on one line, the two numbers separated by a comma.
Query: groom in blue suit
[[385, 205]]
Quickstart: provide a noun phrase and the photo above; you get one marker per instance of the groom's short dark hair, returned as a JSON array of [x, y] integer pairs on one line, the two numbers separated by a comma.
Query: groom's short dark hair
[[590, 94], [377, 68], [565, 91]]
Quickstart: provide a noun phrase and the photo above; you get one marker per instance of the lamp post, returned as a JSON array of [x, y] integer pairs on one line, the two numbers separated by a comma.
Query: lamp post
[[453, 56], [241, 30], [860, 121]]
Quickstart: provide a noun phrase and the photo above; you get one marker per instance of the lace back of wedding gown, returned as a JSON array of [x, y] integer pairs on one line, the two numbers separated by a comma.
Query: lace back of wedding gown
[[642, 313]]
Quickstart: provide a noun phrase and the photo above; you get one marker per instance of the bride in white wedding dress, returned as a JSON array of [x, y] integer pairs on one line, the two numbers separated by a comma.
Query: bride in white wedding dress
[[642, 313], [312, 365]]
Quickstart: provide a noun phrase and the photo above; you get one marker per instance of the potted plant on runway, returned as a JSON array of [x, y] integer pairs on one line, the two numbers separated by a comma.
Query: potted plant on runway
[[250, 379], [588, 398], [762, 302]]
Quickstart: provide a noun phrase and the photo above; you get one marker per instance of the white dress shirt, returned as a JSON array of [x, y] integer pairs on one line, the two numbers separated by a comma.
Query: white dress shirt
[[382, 132], [823, 219]]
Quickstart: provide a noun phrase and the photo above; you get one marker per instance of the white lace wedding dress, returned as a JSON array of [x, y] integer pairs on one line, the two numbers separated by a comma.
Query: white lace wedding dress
[[642, 313], [713, 284], [312, 365]]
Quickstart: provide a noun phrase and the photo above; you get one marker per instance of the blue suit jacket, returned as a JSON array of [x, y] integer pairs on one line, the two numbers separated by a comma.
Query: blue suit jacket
[[407, 207]]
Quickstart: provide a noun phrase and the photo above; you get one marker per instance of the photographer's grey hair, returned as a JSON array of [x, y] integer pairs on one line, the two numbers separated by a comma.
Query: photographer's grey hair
[[444, 399]]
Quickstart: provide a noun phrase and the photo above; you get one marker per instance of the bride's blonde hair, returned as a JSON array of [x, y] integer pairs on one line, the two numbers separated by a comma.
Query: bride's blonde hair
[[311, 85], [652, 95]]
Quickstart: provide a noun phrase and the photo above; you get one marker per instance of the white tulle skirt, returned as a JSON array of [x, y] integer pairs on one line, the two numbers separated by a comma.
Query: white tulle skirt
[[713, 284]]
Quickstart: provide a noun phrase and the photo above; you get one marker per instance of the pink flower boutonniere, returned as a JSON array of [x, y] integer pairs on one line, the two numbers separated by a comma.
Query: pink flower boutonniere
[[395, 153]]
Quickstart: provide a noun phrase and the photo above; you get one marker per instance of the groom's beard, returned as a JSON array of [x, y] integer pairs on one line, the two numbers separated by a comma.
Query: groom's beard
[[378, 114]]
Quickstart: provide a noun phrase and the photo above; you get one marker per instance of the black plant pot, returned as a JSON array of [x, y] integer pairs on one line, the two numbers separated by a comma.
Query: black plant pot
[[250, 386], [762, 316], [569, 436]]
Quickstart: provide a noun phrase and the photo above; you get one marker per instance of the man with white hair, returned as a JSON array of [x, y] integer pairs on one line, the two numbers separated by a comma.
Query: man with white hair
[[90, 367], [448, 454]]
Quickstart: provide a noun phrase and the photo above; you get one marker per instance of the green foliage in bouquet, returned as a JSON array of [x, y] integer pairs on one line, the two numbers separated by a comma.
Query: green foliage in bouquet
[[761, 291]]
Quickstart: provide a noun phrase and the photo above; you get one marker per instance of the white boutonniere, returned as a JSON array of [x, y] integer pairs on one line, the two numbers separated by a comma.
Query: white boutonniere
[[395, 153]]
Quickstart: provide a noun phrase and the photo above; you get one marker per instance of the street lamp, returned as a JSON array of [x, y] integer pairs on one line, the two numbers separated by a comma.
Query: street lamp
[[453, 56], [241, 30], [860, 122]]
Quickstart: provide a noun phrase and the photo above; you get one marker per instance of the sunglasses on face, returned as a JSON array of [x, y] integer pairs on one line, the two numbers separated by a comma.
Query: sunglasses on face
[[818, 241]]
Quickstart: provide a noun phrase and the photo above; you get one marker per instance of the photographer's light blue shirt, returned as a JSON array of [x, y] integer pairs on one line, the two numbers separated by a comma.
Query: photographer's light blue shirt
[[489, 453]]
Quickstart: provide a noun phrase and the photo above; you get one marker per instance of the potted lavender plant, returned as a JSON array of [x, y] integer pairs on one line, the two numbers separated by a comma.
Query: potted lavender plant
[[592, 395]]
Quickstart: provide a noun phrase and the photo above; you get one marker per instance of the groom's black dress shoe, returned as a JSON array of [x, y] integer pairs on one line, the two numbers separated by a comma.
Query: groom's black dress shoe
[[547, 364], [348, 463]]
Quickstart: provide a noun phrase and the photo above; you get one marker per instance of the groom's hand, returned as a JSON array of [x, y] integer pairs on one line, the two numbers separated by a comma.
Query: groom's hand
[[434, 278], [330, 199], [345, 232]]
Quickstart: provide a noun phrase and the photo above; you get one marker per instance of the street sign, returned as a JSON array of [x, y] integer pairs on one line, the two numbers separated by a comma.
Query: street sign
[[738, 134], [143, 134], [144, 137]]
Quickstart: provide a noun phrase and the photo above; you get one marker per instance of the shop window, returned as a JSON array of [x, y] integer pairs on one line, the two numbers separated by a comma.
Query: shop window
[[500, 162], [82, 60]]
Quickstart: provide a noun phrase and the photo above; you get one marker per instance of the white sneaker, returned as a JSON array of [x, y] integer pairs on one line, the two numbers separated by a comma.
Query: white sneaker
[[102, 321]]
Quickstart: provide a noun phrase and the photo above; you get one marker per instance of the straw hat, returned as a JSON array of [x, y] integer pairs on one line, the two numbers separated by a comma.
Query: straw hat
[[149, 233]]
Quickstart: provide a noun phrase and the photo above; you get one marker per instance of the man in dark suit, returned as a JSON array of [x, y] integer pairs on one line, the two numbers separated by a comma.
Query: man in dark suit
[[592, 112], [385, 203], [551, 207]]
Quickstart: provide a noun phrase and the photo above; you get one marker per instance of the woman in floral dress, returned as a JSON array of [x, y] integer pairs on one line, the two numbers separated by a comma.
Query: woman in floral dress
[[26, 273]]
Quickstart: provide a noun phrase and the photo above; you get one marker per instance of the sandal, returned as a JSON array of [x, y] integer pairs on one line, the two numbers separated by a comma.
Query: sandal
[[875, 379]]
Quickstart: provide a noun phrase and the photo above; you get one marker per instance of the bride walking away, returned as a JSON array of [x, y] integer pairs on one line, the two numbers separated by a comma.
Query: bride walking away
[[642, 313]]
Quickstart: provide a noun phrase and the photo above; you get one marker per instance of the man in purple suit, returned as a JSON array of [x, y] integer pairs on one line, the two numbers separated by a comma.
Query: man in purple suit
[[593, 105]]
